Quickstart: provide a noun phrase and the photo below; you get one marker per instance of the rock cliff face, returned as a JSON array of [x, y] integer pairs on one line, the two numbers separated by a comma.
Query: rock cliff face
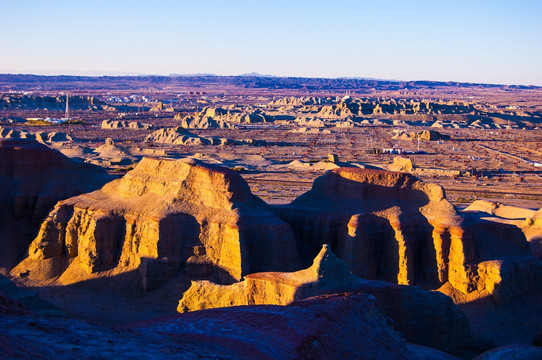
[[160, 217], [423, 317], [33, 178], [393, 227]]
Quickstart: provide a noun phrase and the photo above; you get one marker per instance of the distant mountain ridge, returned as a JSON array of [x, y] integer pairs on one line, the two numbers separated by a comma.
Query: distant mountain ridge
[[246, 81]]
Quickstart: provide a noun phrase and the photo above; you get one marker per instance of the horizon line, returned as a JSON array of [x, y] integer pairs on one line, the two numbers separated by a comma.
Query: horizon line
[[114, 74]]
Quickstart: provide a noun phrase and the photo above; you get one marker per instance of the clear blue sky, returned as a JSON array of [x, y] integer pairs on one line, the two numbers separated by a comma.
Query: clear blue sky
[[465, 40]]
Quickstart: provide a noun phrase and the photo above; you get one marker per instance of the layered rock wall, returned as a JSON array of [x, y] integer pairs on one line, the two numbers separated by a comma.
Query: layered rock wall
[[393, 227], [159, 217]]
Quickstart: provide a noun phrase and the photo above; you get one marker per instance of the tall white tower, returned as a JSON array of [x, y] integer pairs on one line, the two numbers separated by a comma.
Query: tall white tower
[[67, 108]]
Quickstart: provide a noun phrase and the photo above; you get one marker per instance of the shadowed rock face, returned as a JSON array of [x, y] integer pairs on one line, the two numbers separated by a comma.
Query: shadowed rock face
[[515, 352], [391, 226], [328, 327], [161, 216], [528, 220], [345, 326], [423, 317], [33, 178]]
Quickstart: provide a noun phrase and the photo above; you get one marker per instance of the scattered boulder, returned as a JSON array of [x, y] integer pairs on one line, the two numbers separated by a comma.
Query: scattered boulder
[[33, 177], [401, 164], [432, 135], [162, 216]]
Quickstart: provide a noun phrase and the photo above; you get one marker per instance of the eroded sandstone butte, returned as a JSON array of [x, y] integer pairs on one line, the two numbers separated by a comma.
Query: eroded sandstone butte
[[424, 317], [391, 226], [33, 178], [161, 217]]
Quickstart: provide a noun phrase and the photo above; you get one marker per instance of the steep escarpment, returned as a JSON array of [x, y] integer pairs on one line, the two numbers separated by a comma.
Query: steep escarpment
[[162, 217], [423, 317], [33, 178], [391, 226]]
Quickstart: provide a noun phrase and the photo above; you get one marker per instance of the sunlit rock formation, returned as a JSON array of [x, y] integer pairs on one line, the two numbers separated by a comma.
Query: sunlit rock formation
[[423, 317], [110, 154], [429, 135], [391, 226], [213, 118], [123, 124], [33, 178], [181, 136], [52, 138], [160, 217]]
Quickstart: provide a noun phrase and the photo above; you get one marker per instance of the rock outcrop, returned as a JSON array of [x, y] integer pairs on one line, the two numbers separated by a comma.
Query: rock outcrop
[[332, 327], [345, 326], [52, 138], [160, 217], [401, 164], [181, 136], [391, 226], [423, 317], [428, 135], [512, 352], [123, 124], [33, 178], [528, 220], [214, 118], [110, 154]]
